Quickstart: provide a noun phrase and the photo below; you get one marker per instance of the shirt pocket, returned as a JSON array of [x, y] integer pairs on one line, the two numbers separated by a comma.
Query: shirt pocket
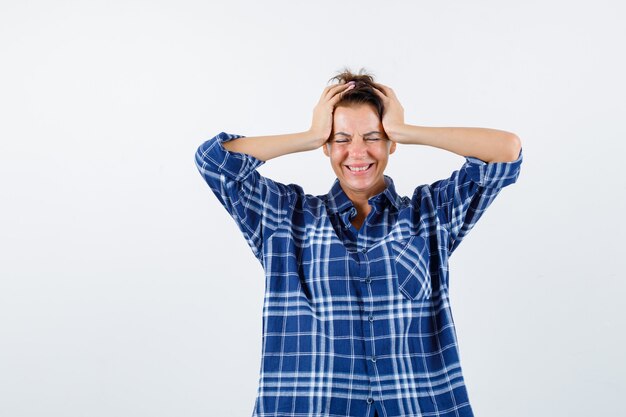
[[412, 259]]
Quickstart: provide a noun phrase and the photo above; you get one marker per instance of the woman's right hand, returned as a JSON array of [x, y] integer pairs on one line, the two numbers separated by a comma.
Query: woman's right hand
[[322, 124]]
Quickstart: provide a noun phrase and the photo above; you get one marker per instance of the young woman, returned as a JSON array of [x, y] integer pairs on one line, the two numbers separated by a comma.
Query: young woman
[[356, 314]]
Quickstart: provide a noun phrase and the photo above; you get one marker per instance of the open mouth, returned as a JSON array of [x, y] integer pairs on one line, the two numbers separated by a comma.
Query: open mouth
[[359, 169]]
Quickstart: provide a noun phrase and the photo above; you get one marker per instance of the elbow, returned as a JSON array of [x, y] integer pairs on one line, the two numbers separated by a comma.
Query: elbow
[[513, 147]]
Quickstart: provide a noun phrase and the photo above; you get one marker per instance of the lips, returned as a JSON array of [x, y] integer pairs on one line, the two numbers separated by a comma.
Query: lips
[[359, 168]]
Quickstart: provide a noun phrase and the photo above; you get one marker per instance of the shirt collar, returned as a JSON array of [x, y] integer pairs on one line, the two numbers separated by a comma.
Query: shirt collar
[[339, 201]]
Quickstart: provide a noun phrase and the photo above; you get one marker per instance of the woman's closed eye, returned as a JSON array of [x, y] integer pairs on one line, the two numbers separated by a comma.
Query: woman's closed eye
[[347, 140]]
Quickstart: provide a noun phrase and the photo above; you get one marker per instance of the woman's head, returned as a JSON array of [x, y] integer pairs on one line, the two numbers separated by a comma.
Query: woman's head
[[362, 93], [358, 147]]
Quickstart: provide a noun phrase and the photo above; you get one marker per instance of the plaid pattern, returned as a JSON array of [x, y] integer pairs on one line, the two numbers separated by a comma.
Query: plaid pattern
[[355, 321]]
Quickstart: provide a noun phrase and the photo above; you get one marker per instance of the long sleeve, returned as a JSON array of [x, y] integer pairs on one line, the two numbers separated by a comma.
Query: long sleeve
[[257, 204], [463, 198]]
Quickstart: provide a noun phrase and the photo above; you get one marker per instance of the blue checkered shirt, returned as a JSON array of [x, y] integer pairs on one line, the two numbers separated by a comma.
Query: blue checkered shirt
[[355, 321]]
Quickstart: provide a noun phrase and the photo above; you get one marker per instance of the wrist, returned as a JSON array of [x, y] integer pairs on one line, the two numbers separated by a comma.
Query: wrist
[[315, 138], [399, 132]]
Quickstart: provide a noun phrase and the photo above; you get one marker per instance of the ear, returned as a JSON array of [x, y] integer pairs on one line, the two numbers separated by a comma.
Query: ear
[[392, 147], [326, 148]]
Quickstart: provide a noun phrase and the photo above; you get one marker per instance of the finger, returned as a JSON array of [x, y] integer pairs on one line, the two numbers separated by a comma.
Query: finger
[[382, 87], [388, 91], [339, 88], [337, 97], [326, 90], [380, 93]]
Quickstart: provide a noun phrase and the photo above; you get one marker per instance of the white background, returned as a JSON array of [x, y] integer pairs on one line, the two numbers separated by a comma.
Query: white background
[[127, 290]]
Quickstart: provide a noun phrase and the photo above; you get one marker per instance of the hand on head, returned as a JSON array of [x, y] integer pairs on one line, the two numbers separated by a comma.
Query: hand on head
[[356, 89], [322, 123], [393, 115]]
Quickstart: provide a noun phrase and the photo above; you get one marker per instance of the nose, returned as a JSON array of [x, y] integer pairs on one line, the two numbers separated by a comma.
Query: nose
[[358, 148]]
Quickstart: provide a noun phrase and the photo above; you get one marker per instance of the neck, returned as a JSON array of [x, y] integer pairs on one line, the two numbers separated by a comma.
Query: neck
[[360, 200]]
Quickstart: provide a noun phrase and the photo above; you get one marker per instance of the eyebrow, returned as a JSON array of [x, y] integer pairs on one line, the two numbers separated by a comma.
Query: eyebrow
[[366, 134]]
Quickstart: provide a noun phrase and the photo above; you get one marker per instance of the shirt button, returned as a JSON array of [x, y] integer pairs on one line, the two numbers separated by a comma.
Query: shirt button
[[371, 318], [368, 280], [373, 359], [370, 400], [363, 250]]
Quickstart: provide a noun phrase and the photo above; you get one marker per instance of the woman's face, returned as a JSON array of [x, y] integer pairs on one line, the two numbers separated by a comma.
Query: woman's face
[[359, 149]]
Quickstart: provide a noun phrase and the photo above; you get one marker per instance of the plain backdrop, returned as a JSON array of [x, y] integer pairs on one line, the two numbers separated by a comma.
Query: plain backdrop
[[127, 290]]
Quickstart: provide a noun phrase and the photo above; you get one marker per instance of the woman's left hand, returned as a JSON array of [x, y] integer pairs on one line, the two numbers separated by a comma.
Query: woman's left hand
[[393, 115]]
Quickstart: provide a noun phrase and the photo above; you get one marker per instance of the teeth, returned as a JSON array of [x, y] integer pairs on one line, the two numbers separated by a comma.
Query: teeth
[[358, 169]]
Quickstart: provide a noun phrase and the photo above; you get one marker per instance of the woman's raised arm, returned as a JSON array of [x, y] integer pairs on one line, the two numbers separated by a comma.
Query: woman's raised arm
[[488, 145], [268, 147]]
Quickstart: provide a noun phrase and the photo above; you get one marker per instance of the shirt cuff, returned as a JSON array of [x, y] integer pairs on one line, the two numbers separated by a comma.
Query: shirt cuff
[[493, 174], [235, 165]]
